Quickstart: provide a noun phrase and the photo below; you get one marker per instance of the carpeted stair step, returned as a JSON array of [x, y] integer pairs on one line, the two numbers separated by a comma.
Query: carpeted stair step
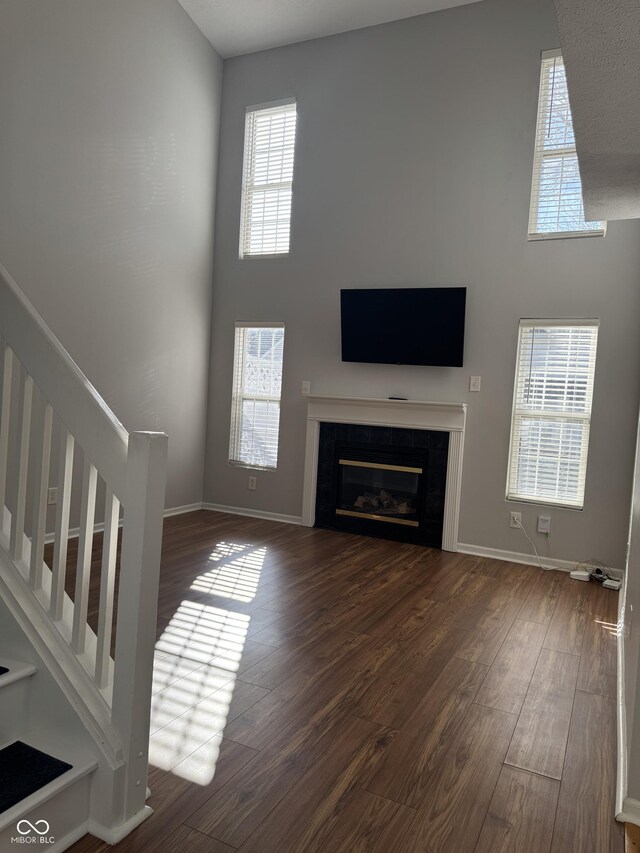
[[44, 779], [24, 770]]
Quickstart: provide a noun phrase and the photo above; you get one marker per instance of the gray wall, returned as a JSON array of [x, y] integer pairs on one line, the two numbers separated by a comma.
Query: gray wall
[[109, 115], [413, 168]]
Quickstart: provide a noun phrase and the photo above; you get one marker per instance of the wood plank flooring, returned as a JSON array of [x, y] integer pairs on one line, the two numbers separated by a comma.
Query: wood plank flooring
[[317, 691]]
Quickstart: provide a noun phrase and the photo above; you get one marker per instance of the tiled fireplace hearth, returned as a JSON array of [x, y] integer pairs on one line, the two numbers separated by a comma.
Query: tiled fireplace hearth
[[388, 468]]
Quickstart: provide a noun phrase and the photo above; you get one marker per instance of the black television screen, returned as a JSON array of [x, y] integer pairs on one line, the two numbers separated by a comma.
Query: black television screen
[[404, 325]]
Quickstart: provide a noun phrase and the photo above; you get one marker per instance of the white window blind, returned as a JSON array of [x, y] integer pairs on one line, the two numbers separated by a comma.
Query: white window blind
[[269, 146], [556, 192], [257, 387], [552, 411]]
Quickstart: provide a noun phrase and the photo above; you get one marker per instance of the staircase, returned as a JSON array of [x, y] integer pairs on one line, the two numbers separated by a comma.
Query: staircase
[[74, 721], [46, 784]]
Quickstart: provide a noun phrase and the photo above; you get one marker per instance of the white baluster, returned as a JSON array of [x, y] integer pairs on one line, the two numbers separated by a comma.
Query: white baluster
[[17, 528], [133, 468], [65, 471], [107, 582], [4, 425], [83, 568], [40, 504]]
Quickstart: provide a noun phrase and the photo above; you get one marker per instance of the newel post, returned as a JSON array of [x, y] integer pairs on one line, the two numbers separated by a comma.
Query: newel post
[[137, 608]]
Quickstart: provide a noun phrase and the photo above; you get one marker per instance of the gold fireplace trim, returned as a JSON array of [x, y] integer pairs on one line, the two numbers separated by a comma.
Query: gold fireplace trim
[[381, 466], [375, 517]]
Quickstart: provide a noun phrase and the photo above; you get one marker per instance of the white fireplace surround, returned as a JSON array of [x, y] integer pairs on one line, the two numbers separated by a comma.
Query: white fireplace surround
[[407, 414]]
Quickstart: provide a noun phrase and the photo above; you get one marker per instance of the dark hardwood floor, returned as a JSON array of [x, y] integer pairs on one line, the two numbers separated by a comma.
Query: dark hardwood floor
[[318, 691]]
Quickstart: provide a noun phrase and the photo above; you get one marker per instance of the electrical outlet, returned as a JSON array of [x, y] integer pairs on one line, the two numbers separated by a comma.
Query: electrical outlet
[[52, 496], [474, 383], [544, 524], [306, 387], [252, 484], [515, 519]]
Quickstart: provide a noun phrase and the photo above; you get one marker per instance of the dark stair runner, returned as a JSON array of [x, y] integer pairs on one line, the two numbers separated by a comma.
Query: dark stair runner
[[24, 770]]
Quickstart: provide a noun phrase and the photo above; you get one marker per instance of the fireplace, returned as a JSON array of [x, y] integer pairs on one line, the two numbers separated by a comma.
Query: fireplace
[[378, 491], [403, 434], [382, 482]]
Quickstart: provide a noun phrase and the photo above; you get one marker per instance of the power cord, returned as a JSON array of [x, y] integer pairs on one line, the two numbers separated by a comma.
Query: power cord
[[533, 544], [596, 568]]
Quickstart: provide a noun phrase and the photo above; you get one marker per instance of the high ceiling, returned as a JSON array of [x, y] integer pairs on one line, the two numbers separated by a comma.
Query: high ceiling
[[243, 26], [601, 47]]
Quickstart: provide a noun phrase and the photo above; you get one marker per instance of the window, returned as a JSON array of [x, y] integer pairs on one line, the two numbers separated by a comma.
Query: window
[[257, 386], [556, 192], [551, 411], [269, 143]]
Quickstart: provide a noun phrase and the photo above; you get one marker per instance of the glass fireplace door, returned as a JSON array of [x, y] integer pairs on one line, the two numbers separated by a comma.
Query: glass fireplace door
[[378, 491]]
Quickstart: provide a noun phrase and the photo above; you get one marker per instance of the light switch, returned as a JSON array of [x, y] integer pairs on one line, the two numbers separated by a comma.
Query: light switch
[[306, 387], [474, 383]]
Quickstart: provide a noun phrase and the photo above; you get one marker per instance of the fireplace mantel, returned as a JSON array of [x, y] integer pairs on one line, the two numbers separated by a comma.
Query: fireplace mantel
[[413, 414]]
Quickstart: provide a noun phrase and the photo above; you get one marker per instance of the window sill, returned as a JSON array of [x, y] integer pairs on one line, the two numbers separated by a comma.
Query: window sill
[[565, 235], [234, 464], [534, 501], [264, 257]]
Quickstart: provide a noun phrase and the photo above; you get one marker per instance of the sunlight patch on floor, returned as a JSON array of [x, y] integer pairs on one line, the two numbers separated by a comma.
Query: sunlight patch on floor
[[235, 574], [200, 766], [194, 678], [609, 627], [200, 632], [188, 736]]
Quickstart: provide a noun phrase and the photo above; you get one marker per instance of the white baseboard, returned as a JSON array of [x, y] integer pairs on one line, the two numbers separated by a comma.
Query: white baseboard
[[630, 811], [463, 548], [74, 532], [254, 513], [526, 559], [181, 510]]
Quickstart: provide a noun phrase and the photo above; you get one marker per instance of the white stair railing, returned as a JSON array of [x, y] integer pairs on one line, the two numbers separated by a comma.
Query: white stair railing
[[45, 397]]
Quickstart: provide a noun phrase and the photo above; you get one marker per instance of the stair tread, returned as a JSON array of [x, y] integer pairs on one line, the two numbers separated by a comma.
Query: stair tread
[[14, 670], [25, 770], [76, 766]]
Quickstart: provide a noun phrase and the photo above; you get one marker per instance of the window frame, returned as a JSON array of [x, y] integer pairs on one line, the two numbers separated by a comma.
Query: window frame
[[238, 397], [247, 188], [539, 156], [586, 418]]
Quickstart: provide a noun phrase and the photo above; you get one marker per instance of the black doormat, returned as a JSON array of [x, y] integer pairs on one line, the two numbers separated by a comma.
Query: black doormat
[[24, 770], [3, 669]]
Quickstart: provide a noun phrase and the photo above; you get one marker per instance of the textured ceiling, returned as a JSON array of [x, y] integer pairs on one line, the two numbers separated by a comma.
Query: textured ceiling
[[243, 26], [601, 47]]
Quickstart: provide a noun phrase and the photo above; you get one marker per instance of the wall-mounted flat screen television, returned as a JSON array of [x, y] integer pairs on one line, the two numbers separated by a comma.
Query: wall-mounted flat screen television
[[404, 325]]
